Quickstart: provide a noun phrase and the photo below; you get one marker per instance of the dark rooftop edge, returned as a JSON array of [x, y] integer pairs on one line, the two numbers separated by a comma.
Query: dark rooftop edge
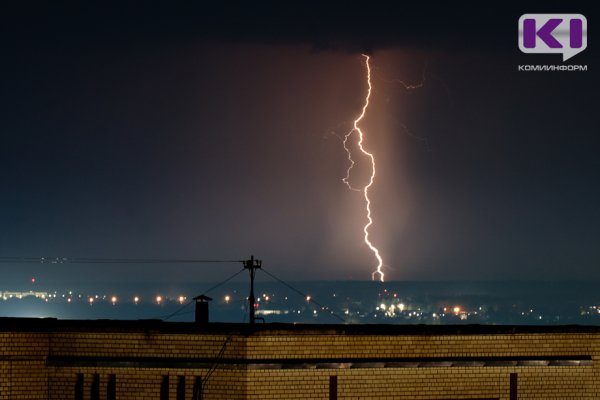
[[159, 326]]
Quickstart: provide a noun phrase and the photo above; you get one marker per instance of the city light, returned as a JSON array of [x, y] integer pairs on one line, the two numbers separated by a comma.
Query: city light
[[384, 307]]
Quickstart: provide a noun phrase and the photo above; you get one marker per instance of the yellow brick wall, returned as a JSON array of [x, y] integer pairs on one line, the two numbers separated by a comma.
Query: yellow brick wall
[[331, 345], [26, 374], [145, 383], [546, 382], [425, 383], [143, 345]]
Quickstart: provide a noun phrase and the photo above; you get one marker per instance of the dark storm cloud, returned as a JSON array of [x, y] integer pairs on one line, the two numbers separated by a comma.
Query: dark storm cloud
[[127, 130], [339, 26]]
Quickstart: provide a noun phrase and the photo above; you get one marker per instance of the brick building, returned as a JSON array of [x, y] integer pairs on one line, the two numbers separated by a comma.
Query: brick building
[[52, 359]]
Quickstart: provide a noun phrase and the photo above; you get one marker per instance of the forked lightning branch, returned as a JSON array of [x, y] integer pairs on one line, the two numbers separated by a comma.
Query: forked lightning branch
[[378, 273]]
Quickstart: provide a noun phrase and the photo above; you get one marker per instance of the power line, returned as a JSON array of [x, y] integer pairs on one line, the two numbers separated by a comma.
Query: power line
[[89, 260], [248, 264], [223, 282], [148, 261], [180, 309], [308, 298]]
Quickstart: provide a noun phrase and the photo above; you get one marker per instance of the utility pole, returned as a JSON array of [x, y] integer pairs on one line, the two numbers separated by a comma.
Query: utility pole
[[252, 265]]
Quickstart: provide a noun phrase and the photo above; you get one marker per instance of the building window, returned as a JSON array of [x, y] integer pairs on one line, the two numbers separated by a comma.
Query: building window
[[513, 386], [95, 388], [197, 391], [164, 388], [181, 388], [333, 387], [79, 387], [111, 387]]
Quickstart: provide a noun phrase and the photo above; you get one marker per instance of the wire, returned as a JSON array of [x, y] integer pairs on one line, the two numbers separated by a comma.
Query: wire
[[89, 260], [80, 260], [220, 356], [20, 259], [180, 309], [176, 312], [309, 299], [225, 281], [146, 261]]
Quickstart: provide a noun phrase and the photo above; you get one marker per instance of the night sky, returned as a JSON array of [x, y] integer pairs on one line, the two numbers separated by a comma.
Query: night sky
[[199, 131]]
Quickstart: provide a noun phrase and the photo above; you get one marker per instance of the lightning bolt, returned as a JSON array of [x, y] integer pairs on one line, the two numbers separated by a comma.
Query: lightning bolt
[[378, 273], [409, 86], [346, 179]]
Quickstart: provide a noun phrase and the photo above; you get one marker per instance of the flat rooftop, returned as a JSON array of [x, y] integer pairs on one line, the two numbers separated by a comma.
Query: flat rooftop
[[159, 326]]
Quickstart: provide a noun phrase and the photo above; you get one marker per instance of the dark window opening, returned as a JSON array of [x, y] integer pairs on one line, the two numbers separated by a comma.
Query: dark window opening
[[181, 388], [333, 387], [197, 391], [513, 386], [95, 388], [111, 387], [164, 388], [79, 387]]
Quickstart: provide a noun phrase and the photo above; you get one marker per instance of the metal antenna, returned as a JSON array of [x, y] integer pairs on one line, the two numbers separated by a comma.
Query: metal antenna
[[252, 265]]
